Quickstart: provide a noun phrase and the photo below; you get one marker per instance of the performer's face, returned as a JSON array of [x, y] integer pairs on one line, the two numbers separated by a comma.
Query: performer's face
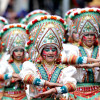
[[89, 39], [76, 37], [49, 54], [18, 54]]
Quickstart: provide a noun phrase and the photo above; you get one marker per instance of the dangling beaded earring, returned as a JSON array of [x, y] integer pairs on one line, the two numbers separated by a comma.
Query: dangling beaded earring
[[25, 59], [1, 46], [96, 43], [11, 60], [39, 59], [58, 60], [80, 43]]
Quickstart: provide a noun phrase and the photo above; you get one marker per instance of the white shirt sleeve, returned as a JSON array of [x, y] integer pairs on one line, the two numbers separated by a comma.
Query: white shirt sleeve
[[3, 67], [67, 75], [28, 68], [69, 50]]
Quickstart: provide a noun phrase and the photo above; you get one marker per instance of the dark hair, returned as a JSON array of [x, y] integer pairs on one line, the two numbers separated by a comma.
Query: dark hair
[[66, 36]]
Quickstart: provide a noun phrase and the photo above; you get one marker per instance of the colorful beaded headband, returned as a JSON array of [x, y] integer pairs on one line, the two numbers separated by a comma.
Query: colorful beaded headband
[[79, 11], [32, 15], [7, 27], [43, 18], [3, 20], [69, 12]]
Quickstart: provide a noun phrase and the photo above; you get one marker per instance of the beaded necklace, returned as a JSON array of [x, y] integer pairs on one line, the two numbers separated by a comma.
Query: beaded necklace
[[49, 73]]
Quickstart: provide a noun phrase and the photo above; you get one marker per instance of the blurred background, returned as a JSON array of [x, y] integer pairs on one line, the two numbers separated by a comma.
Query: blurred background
[[15, 10]]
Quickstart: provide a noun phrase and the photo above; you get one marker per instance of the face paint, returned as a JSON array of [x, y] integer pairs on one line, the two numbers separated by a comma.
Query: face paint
[[89, 39], [18, 54], [44, 54], [87, 35], [84, 38], [49, 51], [16, 50], [92, 34], [93, 37]]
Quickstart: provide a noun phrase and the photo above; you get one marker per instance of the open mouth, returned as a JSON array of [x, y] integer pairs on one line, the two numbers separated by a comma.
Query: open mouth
[[50, 56], [18, 57], [89, 41], [77, 37]]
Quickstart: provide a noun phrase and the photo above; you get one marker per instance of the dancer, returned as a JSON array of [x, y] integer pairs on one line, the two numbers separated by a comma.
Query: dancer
[[87, 22], [45, 74], [15, 37]]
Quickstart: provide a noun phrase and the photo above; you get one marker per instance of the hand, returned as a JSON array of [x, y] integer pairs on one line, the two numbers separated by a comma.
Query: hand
[[52, 85], [16, 77], [85, 66], [92, 60], [96, 60], [46, 94]]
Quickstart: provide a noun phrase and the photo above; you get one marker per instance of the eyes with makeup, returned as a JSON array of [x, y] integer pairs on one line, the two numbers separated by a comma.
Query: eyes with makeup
[[48, 49], [18, 50], [90, 34], [75, 32]]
